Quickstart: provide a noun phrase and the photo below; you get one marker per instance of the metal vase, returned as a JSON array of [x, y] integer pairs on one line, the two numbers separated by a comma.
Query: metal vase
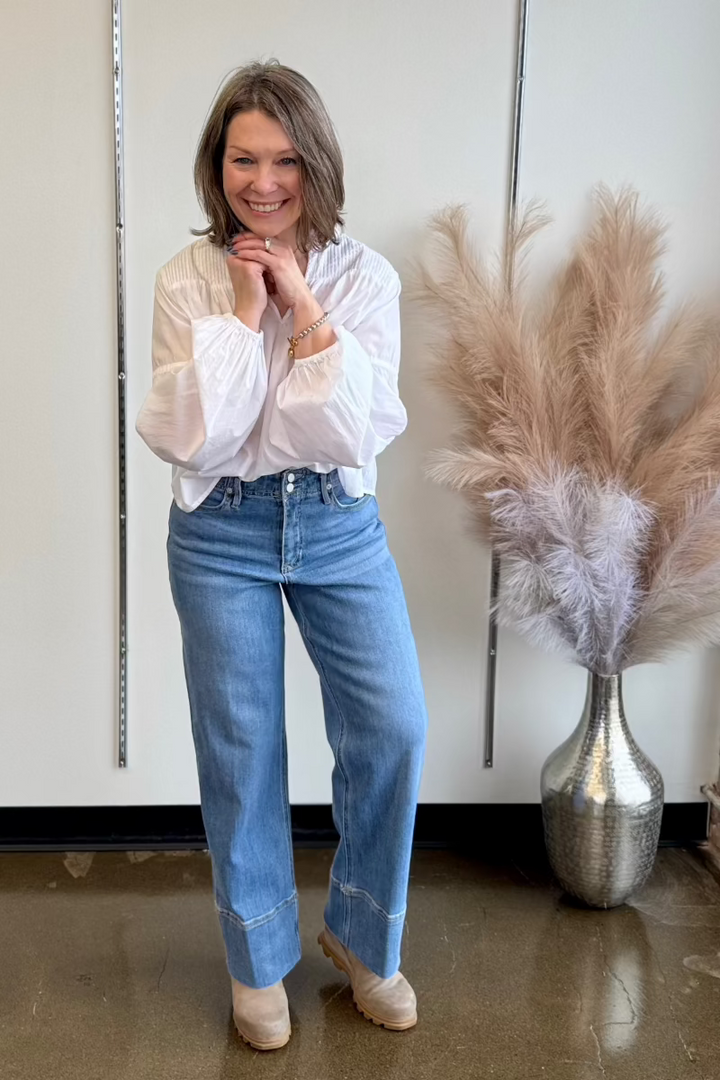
[[602, 802]]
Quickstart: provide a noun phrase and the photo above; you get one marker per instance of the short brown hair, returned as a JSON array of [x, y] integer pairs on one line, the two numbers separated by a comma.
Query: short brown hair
[[285, 95]]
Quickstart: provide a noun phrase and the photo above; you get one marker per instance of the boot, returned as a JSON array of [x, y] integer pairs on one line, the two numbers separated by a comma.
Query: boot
[[390, 1003], [261, 1016]]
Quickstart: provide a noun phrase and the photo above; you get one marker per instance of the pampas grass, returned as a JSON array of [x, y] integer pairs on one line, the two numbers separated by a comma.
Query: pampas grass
[[588, 438]]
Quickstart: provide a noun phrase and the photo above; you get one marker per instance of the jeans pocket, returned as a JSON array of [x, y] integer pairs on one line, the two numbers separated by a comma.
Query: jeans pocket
[[340, 498], [215, 500]]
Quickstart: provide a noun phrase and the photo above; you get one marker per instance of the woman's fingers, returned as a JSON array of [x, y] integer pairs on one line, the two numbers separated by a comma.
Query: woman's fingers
[[251, 242], [253, 249], [241, 241], [235, 249], [257, 255], [248, 240]]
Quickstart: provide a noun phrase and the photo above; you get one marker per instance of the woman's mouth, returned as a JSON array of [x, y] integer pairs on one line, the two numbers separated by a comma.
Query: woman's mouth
[[266, 209]]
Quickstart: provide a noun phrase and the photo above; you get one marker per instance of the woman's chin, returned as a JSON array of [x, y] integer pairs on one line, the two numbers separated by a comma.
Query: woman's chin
[[263, 228]]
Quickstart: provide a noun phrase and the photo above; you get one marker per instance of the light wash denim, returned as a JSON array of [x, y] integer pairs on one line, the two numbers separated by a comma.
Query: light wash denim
[[230, 561]]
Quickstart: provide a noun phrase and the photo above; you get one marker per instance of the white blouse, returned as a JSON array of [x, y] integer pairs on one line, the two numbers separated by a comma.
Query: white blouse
[[227, 401]]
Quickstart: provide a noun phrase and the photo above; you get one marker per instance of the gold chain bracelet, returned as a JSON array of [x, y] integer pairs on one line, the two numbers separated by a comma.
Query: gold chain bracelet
[[294, 340]]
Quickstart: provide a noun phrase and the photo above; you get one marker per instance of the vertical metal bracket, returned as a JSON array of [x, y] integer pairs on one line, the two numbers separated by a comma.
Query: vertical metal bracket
[[121, 374], [511, 211]]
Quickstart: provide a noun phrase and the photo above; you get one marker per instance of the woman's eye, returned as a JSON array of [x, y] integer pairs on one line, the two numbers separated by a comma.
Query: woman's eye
[[242, 160]]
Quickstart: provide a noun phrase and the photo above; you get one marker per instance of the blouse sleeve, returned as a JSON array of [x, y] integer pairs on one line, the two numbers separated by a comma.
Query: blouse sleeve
[[209, 384], [342, 404]]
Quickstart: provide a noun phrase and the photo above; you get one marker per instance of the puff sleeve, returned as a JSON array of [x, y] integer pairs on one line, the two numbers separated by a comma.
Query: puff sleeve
[[342, 404], [209, 384]]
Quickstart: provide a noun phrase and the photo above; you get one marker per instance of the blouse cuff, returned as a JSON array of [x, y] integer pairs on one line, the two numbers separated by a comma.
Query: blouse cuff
[[325, 354]]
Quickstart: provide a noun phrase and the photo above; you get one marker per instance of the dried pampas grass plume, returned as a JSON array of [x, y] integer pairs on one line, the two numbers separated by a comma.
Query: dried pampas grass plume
[[588, 438]]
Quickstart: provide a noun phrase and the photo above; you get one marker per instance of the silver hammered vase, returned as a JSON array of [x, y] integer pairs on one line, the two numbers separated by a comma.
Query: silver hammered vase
[[602, 803]]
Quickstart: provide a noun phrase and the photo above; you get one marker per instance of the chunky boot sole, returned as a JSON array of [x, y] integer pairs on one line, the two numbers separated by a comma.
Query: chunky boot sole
[[256, 1045], [391, 1025]]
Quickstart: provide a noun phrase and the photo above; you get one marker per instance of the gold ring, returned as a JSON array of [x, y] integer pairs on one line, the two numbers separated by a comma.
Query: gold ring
[[268, 242]]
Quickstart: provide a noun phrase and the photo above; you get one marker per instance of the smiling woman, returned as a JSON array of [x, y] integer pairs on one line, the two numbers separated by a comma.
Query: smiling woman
[[256, 124], [273, 452], [262, 184], [263, 188]]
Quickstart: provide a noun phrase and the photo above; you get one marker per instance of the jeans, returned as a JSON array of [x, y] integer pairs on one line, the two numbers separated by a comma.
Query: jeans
[[231, 560]]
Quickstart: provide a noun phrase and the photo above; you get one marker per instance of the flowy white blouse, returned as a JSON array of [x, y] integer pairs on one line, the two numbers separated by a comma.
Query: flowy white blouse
[[227, 401]]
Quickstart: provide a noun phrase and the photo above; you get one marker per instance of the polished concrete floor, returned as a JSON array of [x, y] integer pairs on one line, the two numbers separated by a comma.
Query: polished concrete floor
[[112, 966]]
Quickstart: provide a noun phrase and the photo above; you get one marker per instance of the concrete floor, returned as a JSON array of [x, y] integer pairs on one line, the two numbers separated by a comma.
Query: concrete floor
[[112, 966]]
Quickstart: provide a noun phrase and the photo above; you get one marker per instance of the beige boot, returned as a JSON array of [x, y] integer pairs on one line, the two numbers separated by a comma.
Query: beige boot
[[388, 1002], [261, 1016]]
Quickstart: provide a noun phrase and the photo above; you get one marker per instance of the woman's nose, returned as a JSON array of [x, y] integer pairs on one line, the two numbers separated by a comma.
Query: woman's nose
[[264, 182]]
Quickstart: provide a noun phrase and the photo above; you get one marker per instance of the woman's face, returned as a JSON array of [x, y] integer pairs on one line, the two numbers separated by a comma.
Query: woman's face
[[261, 168]]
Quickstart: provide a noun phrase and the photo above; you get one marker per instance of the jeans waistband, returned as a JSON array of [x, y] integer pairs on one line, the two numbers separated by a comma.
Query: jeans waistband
[[304, 481]]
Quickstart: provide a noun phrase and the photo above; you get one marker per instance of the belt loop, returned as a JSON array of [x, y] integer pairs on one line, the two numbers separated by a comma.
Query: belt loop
[[325, 488], [237, 492]]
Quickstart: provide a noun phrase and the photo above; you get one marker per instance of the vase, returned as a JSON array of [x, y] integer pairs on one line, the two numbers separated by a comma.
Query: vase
[[602, 803]]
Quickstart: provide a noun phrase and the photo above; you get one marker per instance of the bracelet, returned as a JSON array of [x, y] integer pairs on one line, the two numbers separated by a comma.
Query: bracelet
[[294, 340]]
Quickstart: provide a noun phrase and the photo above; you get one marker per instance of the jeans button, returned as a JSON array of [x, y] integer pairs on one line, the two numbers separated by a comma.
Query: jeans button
[[291, 487], [291, 477]]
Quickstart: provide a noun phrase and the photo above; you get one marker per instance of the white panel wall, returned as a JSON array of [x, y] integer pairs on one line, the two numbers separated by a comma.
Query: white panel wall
[[422, 99], [57, 415]]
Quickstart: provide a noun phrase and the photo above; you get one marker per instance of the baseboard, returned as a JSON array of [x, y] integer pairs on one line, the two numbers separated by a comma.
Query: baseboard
[[470, 826]]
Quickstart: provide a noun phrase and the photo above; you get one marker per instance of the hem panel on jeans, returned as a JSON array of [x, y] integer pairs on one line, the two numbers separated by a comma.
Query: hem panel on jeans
[[365, 929], [363, 894], [262, 955], [259, 920]]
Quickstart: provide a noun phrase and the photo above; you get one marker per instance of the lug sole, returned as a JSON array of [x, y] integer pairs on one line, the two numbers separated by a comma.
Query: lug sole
[[379, 1021], [276, 1044]]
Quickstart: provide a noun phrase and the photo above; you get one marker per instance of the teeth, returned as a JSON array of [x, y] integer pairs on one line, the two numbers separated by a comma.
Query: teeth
[[264, 208]]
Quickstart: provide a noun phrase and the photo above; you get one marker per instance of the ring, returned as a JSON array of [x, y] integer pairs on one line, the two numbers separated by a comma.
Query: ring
[[268, 242]]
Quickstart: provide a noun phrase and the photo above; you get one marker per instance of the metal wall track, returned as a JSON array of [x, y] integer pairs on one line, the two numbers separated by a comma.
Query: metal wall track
[[121, 375], [492, 639]]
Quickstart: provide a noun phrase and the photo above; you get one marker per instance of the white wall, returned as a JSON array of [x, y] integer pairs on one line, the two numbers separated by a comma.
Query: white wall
[[422, 99], [57, 405]]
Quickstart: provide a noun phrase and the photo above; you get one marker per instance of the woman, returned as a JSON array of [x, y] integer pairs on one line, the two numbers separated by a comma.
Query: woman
[[273, 449]]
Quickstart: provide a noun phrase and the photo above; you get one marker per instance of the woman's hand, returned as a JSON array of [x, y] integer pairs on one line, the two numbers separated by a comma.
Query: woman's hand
[[279, 262], [249, 287]]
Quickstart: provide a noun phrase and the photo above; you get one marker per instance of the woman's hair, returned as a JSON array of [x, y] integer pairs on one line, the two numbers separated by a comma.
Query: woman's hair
[[287, 96]]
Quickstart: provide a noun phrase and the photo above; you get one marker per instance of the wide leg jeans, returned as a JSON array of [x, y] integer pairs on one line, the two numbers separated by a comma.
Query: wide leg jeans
[[230, 562]]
